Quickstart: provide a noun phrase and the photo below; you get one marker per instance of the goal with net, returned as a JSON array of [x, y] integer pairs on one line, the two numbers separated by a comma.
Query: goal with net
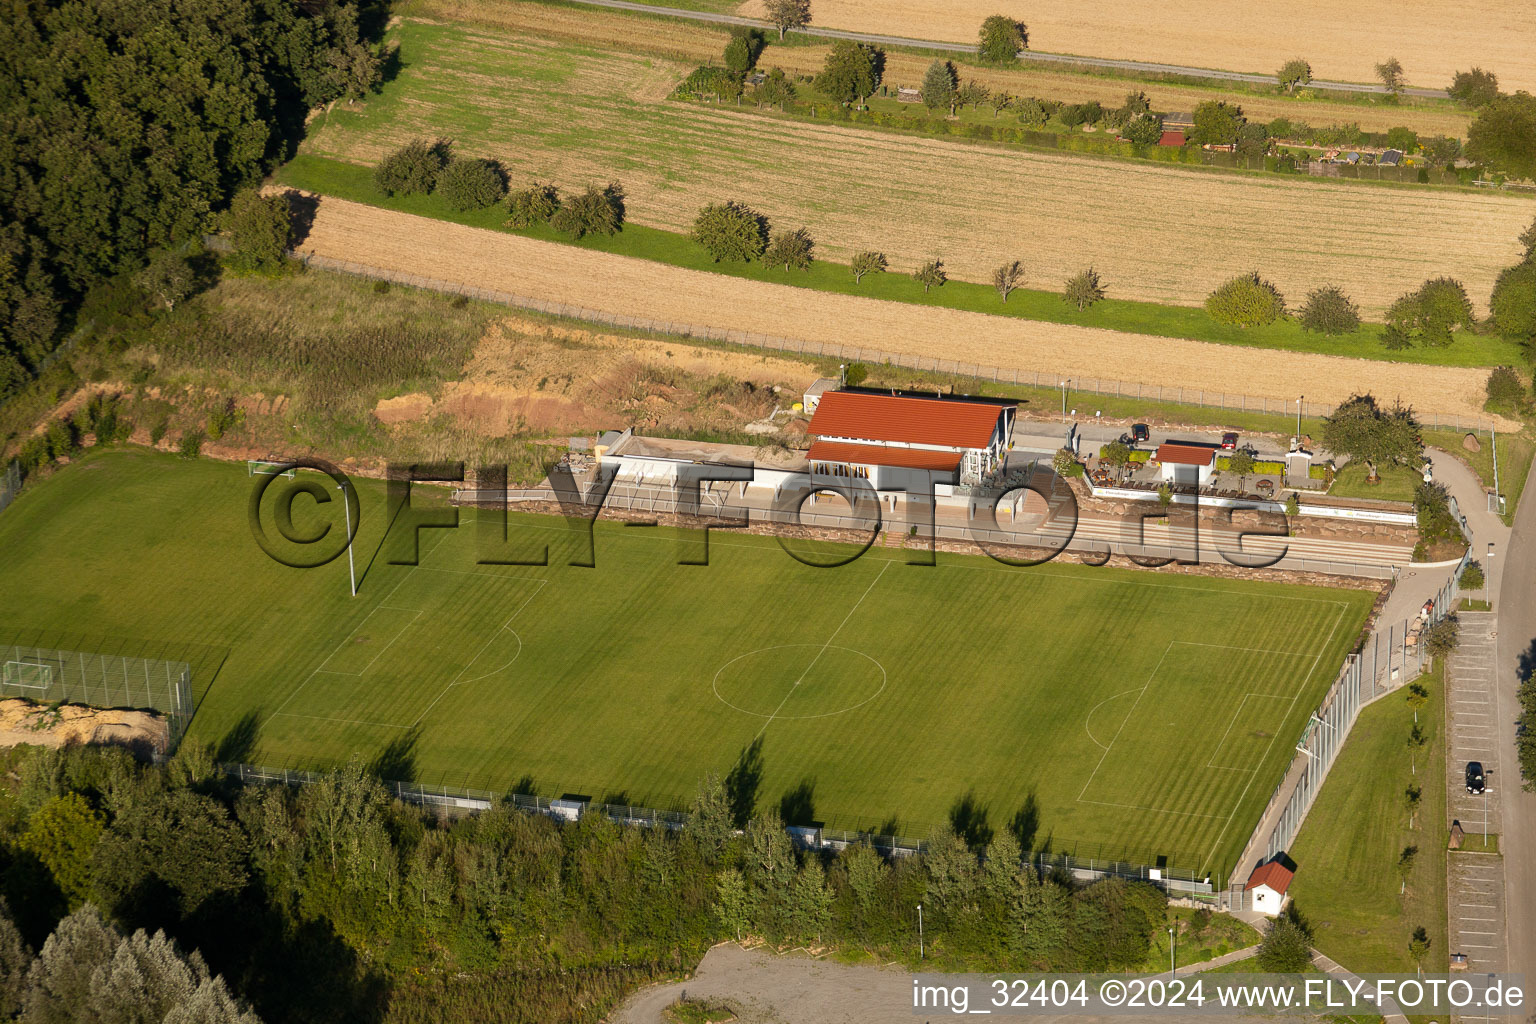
[[27, 674], [267, 467]]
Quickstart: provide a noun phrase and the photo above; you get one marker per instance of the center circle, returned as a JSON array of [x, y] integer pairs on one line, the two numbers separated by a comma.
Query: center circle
[[799, 681]]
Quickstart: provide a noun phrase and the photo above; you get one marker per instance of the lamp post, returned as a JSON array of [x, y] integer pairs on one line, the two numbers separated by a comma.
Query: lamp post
[[1173, 957], [921, 955], [346, 505], [1064, 397], [1298, 419]]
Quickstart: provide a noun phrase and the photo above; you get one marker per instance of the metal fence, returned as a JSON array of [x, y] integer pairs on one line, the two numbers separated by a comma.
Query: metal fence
[[11, 485], [1050, 379], [47, 674]]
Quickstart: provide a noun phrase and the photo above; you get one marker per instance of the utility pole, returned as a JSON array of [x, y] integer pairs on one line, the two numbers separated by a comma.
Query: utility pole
[[921, 953]]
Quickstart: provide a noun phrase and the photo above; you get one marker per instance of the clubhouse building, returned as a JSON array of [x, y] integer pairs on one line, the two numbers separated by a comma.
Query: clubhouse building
[[907, 441]]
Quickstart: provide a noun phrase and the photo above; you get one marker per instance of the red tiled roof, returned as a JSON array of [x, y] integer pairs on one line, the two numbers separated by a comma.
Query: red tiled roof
[[1171, 139], [879, 455], [1274, 874], [1184, 454], [906, 418]]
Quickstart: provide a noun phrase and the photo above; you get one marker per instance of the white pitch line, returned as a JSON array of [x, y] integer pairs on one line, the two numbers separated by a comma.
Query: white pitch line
[[1144, 687], [839, 629]]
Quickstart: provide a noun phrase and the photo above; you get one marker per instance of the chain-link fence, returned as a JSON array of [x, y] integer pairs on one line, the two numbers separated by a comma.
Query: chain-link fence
[[10, 485], [1209, 398], [46, 675]]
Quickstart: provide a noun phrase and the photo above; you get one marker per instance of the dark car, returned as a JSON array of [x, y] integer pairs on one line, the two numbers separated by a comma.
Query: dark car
[[1475, 780], [1140, 432], [1229, 441]]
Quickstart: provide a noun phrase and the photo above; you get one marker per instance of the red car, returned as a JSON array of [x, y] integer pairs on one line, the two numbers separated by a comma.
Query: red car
[[1229, 441]]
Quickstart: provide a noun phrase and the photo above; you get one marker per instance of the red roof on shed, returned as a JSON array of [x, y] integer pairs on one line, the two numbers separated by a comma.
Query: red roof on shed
[[1184, 454], [1274, 874], [879, 455], [1171, 139], [905, 418]]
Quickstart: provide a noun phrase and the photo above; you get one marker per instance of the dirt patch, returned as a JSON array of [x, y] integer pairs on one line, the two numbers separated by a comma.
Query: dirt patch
[[621, 285], [404, 408], [22, 721]]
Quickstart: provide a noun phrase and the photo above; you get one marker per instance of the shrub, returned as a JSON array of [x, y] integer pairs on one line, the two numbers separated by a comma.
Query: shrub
[[470, 183], [855, 374], [1443, 637], [61, 437], [1083, 289], [533, 205], [1143, 130], [594, 212], [1329, 311], [1246, 301], [1063, 461], [191, 444], [1431, 314], [1405, 139], [731, 231], [412, 169], [1505, 390], [1286, 948], [222, 418], [790, 250], [259, 226]]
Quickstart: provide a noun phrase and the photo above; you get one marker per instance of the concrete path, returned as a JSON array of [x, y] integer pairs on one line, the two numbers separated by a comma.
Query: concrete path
[[1027, 55], [1391, 1013]]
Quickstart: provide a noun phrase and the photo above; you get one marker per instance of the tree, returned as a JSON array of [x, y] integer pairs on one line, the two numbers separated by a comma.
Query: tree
[[1405, 139], [867, 262], [1443, 637], [855, 374], [469, 183], [1329, 311], [1115, 454], [1503, 135], [790, 249], [742, 51], [930, 274], [59, 982], [1083, 288], [787, 14], [1241, 463], [1362, 429], [1528, 241], [972, 94], [182, 840], [1432, 313], [1001, 39], [1008, 277], [732, 906], [15, 959], [412, 169], [1001, 101], [731, 231], [1216, 124], [1293, 505], [533, 205], [939, 86], [1512, 307], [1247, 300], [1506, 391], [1390, 72], [1063, 462], [1475, 88], [1294, 73], [597, 211], [1285, 949], [62, 834], [710, 822], [1165, 494], [852, 71], [1418, 946], [810, 902], [1472, 576], [168, 277], [1143, 130], [258, 228], [777, 90]]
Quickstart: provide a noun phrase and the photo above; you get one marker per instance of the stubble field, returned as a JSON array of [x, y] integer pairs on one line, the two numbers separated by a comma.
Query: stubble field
[[577, 115], [626, 286], [1344, 42]]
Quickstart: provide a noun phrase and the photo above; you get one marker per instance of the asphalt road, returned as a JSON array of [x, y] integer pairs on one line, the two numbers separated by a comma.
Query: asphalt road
[[1517, 633], [1028, 55]]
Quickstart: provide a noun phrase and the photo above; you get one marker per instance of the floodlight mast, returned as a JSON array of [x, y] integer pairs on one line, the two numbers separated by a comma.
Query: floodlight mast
[[346, 505]]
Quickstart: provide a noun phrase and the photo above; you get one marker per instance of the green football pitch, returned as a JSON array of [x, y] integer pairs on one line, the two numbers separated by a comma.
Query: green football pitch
[[1143, 714]]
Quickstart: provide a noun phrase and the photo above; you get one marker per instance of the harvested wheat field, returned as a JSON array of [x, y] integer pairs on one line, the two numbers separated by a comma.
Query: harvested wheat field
[[575, 115], [400, 242], [695, 43], [1344, 41]]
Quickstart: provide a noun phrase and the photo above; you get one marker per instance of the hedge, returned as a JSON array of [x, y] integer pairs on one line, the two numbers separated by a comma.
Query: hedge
[[1260, 467]]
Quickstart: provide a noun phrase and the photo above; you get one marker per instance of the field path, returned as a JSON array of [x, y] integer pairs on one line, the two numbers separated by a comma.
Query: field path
[[404, 243]]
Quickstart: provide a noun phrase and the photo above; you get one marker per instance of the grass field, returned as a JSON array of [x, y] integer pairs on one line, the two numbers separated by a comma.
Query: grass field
[[573, 114], [1342, 43], [878, 690], [1347, 882], [1396, 483]]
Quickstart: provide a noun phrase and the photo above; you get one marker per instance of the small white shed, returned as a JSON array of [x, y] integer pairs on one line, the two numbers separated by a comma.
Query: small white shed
[[1266, 887]]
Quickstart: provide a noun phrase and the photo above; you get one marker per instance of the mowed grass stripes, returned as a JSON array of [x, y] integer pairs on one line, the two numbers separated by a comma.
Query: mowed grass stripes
[[1145, 714]]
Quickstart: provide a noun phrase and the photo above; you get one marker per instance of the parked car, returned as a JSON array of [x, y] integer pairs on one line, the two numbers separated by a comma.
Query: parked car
[[1229, 441], [1475, 780], [1140, 433]]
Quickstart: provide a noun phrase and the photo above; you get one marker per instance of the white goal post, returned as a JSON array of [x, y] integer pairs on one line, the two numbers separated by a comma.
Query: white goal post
[[27, 674], [266, 467]]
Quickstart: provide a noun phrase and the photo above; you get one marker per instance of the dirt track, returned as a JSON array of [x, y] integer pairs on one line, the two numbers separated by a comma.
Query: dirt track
[[618, 284]]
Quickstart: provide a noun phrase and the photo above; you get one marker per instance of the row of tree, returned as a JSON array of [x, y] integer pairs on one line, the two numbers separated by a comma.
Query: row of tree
[[125, 129], [332, 902]]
